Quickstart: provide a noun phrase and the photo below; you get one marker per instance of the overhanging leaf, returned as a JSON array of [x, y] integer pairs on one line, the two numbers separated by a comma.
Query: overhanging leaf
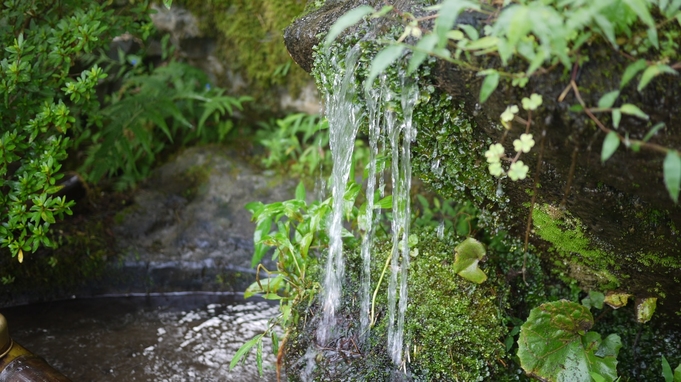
[[468, 255], [382, 60], [426, 44], [616, 117], [489, 85], [610, 144], [344, 22], [555, 345], [671, 169]]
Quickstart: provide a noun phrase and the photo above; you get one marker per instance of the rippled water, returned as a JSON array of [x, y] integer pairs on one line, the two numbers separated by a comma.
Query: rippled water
[[183, 337]]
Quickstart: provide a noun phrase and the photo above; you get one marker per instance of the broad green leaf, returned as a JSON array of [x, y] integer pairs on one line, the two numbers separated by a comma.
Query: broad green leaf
[[555, 345], [426, 44], [677, 371], [653, 71], [167, 3], [608, 99], [385, 203], [489, 85], [652, 37], [667, 371], [243, 350], [344, 22], [672, 174], [616, 117], [645, 309], [594, 300], [653, 131], [610, 145], [382, 60], [616, 300], [631, 109], [468, 254], [596, 377], [518, 26], [631, 71]]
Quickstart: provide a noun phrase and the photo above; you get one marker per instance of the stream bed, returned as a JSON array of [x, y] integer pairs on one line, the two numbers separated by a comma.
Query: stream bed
[[170, 337]]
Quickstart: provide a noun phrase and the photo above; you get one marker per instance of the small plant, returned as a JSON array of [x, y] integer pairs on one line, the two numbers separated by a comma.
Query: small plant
[[174, 102]]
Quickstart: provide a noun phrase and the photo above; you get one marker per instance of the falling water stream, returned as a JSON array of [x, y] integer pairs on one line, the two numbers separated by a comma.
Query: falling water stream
[[388, 126]]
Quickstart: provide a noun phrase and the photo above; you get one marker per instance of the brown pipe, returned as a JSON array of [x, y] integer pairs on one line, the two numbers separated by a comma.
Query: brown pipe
[[19, 365]]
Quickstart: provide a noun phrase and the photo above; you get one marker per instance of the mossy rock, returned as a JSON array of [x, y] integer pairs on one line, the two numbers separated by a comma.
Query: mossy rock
[[625, 224], [249, 37], [454, 328]]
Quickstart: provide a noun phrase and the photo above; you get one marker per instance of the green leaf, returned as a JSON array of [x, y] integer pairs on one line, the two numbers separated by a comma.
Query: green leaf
[[667, 371], [384, 11], [167, 3], [610, 145], [677, 371], [243, 350], [631, 71], [555, 344], [608, 99], [596, 377], [640, 8], [631, 109], [616, 117], [672, 174], [645, 309], [344, 22], [426, 44], [653, 131], [594, 300], [653, 71], [449, 11], [300, 191], [616, 300], [382, 60], [385, 203], [489, 85], [468, 255]]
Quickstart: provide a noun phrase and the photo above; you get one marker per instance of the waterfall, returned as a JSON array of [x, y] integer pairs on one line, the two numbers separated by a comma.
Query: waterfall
[[400, 138], [343, 116], [391, 131]]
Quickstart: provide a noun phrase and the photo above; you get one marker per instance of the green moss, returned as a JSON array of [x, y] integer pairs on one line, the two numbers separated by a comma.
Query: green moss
[[453, 326], [250, 40], [593, 265]]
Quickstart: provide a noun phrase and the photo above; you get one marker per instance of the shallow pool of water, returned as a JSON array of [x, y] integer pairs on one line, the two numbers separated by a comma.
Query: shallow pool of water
[[178, 337]]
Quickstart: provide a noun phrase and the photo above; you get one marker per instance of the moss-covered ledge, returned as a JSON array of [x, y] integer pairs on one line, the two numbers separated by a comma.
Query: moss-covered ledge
[[626, 221]]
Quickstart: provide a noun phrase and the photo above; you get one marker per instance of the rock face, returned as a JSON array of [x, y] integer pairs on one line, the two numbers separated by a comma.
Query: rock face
[[610, 225], [188, 228]]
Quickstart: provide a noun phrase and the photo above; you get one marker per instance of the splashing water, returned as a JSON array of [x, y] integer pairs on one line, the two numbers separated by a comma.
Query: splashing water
[[343, 116], [400, 142], [390, 132]]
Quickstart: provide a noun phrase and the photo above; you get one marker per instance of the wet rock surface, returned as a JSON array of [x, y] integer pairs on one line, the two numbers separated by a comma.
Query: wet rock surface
[[188, 230]]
